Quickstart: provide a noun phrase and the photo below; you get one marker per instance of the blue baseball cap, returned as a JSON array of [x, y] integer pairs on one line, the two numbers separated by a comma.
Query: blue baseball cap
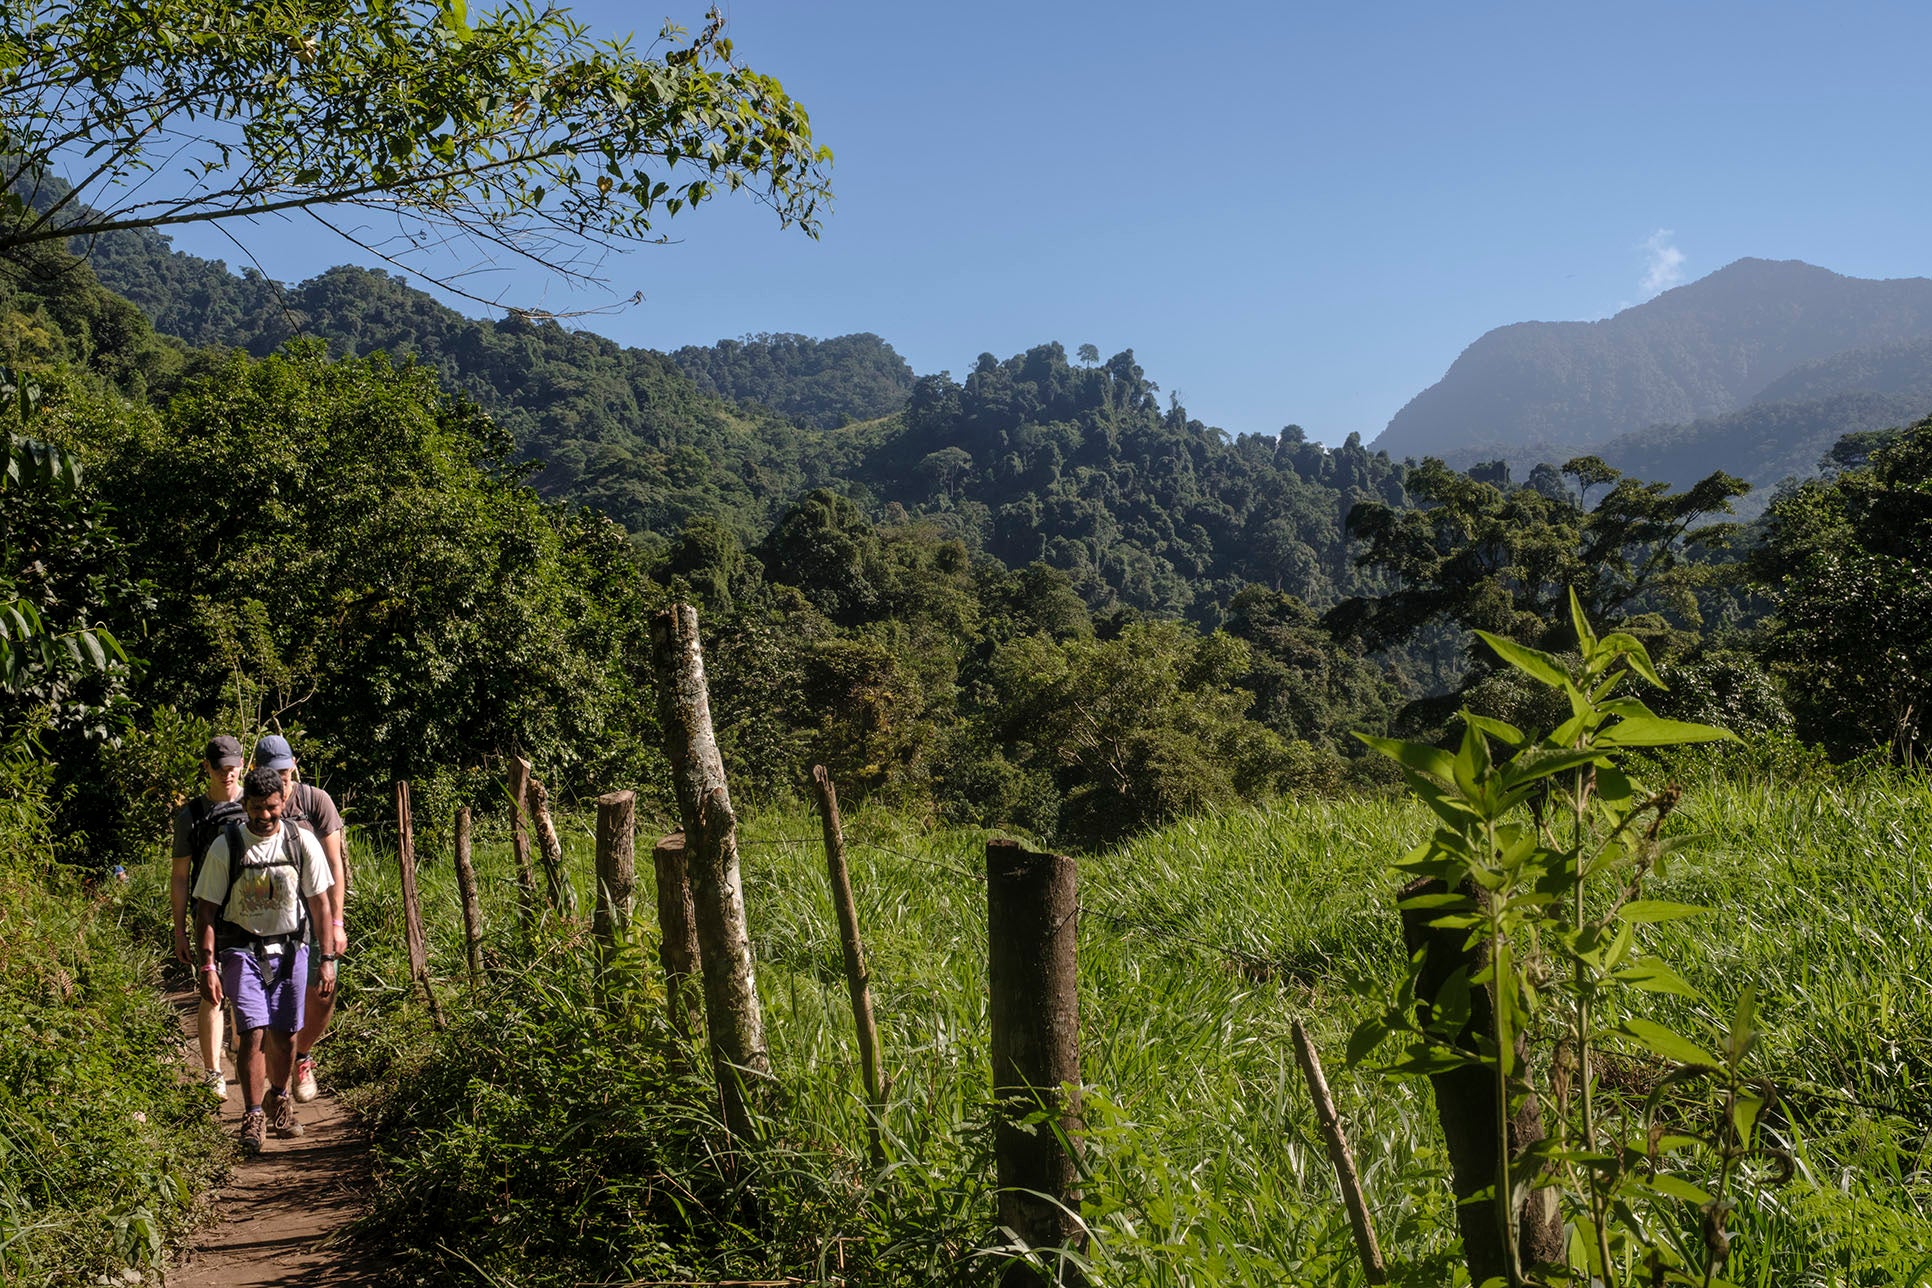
[[272, 752]]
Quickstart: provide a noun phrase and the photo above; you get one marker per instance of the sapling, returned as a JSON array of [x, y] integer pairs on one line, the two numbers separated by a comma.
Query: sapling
[[1541, 851]]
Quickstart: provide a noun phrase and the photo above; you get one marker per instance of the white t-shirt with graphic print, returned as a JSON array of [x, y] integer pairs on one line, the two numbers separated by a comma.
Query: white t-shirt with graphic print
[[267, 895]]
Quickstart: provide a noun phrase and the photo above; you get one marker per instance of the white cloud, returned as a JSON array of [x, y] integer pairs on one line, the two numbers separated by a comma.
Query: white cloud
[[1665, 268]]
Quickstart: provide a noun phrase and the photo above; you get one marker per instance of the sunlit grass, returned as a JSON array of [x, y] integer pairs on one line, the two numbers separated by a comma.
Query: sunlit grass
[[1199, 945]]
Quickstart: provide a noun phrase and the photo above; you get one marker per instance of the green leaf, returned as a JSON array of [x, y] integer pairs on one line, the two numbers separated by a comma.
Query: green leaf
[[1676, 1187], [1367, 1036], [1533, 662], [1416, 755], [1497, 729], [1655, 731], [1664, 1043], [1585, 638], [1652, 976], [1537, 763], [1653, 910]]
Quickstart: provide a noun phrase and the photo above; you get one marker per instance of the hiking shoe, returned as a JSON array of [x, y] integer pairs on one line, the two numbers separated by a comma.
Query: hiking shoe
[[280, 1112], [305, 1090], [253, 1133], [216, 1082]]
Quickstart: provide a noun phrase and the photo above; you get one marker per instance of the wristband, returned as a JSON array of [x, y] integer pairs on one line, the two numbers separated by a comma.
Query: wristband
[[336, 922], [330, 959], [210, 966]]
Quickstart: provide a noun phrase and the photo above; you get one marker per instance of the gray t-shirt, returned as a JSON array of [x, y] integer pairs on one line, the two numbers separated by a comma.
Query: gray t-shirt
[[312, 805]]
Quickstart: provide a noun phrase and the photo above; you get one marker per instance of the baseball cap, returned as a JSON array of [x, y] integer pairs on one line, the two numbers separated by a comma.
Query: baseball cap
[[272, 752], [223, 752]]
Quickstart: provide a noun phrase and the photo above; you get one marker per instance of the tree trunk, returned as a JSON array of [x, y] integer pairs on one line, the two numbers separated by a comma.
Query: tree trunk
[[616, 864], [1466, 1107], [732, 1016], [677, 924], [1031, 905]]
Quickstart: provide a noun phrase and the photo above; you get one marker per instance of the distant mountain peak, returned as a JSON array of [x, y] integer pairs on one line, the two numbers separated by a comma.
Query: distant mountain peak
[[1697, 351]]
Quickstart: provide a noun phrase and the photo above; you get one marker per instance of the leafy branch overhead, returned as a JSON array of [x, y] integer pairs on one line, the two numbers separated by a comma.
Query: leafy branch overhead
[[515, 129]]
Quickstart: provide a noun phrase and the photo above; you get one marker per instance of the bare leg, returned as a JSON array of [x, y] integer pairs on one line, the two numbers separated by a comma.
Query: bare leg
[[279, 1058], [208, 1030], [250, 1066], [316, 1010]]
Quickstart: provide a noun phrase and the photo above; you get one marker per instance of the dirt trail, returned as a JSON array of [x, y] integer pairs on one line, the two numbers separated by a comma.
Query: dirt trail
[[276, 1216]]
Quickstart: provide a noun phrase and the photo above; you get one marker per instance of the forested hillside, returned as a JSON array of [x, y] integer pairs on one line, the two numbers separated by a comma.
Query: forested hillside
[[1031, 458]]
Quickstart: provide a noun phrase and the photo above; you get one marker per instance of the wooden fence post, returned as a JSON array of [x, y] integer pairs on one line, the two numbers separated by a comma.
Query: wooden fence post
[[857, 981], [733, 1021], [1373, 1269], [1032, 901], [562, 895], [616, 864], [1466, 1108], [520, 840], [412, 911], [677, 924], [472, 905]]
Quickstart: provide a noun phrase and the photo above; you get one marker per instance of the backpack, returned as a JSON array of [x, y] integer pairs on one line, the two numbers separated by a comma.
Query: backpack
[[206, 820], [230, 935]]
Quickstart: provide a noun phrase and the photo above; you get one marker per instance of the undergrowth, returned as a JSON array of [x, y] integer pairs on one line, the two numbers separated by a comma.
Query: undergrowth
[[103, 1146], [558, 1134]]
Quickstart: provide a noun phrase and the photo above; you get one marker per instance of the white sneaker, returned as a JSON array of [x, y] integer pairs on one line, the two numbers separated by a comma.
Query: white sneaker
[[217, 1083], [305, 1079]]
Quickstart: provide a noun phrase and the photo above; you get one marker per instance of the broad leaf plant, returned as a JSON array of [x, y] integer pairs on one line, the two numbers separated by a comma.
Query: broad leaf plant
[[1543, 846]]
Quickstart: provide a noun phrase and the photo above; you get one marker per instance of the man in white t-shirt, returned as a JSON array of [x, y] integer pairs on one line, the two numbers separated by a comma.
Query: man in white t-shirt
[[259, 889]]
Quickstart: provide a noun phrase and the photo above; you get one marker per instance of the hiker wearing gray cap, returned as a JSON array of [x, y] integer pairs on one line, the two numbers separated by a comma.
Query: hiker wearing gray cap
[[305, 804], [196, 825]]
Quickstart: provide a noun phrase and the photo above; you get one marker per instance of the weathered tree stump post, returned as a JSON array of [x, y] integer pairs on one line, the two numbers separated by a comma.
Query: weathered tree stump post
[[412, 911], [1466, 1107], [1032, 901], [677, 924], [472, 905], [1373, 1269], [733, 1020], [857, 981], [520, 840], [563, 897], [616, 864]]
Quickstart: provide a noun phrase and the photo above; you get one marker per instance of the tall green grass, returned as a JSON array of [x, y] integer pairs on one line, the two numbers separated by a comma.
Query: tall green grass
[[559, 1134]]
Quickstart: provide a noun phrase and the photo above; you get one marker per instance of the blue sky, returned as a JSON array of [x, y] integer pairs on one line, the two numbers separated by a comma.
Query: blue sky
[[1291, 212]]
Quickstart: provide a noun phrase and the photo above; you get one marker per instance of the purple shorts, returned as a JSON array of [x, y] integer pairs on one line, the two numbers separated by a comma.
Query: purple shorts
[[269, 995]]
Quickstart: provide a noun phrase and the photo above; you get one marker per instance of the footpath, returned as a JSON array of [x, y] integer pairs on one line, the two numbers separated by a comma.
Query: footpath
[[282, 1217]]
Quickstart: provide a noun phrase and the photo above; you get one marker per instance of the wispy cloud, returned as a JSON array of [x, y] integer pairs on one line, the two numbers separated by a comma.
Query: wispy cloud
[[1665, 263]]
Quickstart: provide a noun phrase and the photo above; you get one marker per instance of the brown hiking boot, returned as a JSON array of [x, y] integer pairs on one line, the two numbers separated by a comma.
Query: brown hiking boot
[[280, 1111], [254, 1128]]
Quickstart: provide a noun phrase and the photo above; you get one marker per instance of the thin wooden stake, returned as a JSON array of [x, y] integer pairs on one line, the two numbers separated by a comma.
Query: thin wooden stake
[[520, 840], [472, 905], [1338, 1153], [857, 981], [563, 897], [412, 911]]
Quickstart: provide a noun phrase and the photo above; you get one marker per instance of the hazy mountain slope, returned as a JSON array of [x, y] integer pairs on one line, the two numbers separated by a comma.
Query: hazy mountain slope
[[1699, 351], [1763, 444]]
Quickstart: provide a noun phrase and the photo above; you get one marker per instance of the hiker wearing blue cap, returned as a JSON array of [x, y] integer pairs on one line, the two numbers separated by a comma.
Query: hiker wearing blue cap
[[262, 885], [196, 824], [312, 807]]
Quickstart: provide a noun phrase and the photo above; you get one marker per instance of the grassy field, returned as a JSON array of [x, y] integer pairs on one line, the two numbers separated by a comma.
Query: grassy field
[[558, 1135]]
